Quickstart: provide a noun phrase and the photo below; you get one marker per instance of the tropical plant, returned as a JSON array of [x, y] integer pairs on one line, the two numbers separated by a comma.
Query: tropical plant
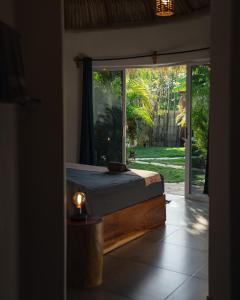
[[138, 107], [181, 116], [151, 94], [200, 107]]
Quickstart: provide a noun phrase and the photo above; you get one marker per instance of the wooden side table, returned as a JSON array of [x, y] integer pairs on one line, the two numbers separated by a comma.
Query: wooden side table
[[84, 253]]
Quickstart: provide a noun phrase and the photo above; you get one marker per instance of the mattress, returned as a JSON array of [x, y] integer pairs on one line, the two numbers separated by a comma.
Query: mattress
[[107, 193]]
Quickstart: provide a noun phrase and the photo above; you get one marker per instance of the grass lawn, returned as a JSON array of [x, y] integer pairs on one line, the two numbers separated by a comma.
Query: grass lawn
[[177, 161], [198, 177], [156, 152], [169, 174], [196, 162]]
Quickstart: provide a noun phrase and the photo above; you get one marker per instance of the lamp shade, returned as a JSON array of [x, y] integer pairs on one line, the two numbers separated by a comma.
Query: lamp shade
[[164, 8]]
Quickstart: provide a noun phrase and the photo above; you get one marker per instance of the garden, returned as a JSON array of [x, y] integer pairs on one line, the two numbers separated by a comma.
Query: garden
[[169, 162], [155, 119]]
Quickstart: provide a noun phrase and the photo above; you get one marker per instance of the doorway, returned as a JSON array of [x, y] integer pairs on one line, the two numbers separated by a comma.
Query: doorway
[[156, 119]]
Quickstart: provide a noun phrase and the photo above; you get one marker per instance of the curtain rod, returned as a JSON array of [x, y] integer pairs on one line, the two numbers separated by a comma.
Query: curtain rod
[[154, 54]]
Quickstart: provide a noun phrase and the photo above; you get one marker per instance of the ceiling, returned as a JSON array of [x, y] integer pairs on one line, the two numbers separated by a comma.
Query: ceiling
[[87, 14]]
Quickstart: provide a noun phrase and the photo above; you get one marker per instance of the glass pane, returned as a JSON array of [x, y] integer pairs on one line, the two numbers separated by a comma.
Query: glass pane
[[108, 116], [156, 122], [199, 124]]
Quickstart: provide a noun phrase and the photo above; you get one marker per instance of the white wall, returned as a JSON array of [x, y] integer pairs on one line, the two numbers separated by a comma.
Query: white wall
[[173, 35]]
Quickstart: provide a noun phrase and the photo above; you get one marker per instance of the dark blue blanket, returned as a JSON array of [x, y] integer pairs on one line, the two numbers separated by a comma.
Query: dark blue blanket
[[94, 181], [107, 193]]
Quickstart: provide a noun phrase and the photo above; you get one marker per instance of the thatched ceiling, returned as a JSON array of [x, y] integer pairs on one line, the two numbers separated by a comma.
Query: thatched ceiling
[[84, 14]]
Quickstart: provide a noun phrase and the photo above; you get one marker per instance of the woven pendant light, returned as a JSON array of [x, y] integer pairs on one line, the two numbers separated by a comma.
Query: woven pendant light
[[164, 8]]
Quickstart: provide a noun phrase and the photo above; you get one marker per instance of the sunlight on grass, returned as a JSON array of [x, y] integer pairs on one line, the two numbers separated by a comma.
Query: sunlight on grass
[[158, 152], [177, 162], [170, 175]]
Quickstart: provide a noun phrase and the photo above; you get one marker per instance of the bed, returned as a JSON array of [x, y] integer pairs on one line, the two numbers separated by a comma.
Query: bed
[[131, 203]]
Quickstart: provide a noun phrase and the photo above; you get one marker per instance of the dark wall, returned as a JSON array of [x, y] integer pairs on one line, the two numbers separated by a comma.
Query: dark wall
[[224, 152], [9, 184], [42, 255], [9, 200], [7, 12], [235, 157]]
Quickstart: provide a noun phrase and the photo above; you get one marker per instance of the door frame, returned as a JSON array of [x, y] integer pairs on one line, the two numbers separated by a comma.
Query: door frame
[[188, 147]]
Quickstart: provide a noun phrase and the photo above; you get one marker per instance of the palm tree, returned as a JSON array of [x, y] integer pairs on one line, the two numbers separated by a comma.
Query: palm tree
[[138, 108]]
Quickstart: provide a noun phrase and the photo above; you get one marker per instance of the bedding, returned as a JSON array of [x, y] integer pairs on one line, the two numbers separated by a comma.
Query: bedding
[[107, 192]]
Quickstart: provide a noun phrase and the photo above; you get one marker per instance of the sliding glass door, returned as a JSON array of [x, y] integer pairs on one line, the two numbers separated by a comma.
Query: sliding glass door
[[109, 107], [198, 90], [108, 110]]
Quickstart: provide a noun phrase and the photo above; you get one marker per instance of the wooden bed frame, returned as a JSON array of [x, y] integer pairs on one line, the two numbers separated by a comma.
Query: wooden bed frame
[[130, 223]]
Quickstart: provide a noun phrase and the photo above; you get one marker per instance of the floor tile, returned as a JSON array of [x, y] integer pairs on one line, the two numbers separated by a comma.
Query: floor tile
[[175, 188], [176, 219], [172, 197], [142, 282], [164, 255], [193, 289], [159, 234], [187, 213], [110, 265], [94, 294], [189, 237], [202, 273], [167, 263]]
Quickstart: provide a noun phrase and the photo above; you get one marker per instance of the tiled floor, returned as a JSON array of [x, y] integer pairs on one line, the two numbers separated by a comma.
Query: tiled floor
[[175, 188], [168, 263]]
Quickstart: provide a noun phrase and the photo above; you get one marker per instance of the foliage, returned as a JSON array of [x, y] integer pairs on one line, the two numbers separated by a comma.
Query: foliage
[[181, 117], [108, 81], [138, 107], [181, 83], [151, 93], [200, 107]]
